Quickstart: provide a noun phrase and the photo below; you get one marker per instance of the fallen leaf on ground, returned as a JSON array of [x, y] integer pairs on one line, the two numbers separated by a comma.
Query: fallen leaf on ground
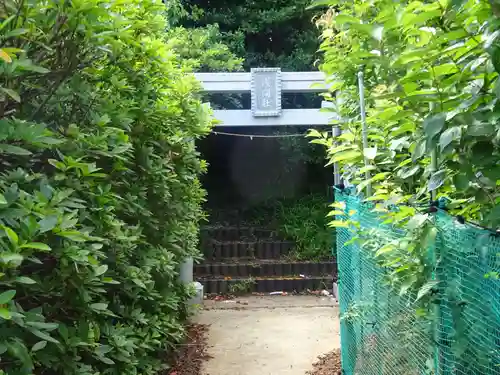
[[192, 353]]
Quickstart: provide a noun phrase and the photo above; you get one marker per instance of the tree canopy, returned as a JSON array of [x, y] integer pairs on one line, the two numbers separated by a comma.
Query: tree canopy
[[265, 33]]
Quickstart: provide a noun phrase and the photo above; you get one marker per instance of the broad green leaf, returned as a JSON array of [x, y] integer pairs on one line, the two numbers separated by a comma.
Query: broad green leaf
[[99, 306], [73, 235], [47, 223], [339, 205], [106, 360], [139, 282], [433, 124], [4, 24], [29, 66], [15, 32], [36, 245], [365, 169], [419, 150], [2, 199], [378, 32], [109, 280], [385, 249], [314, 133], [406, 286], [338, 224], [11, 235], [416, 221], [13, 150], [380, 176], [7, 296], [426, 288], [341, 19], [347, 136], [13, 259], [5, 56], [449, 135], [436, 180], [43, 336], [346, 156], [363, 185], [100, 270], [25, 280], [445, 69], [491, 39], [18, 349], [479, 129], [43, 325], [421, 18], [5, 314], [50, 141], [103, 349], [39, 346], [13, 94], [370, 153], [405, 173], [335, 213]]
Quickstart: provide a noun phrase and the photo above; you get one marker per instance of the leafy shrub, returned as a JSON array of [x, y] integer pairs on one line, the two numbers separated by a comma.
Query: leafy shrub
[[302, 220], [99, 195], [432, 90]]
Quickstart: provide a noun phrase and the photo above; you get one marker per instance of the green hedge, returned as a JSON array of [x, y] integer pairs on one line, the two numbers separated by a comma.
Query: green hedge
[[99, 195]]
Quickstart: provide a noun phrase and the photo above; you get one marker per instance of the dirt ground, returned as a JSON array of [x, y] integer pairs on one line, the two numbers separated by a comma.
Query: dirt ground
[[268, 335], [328, 364]]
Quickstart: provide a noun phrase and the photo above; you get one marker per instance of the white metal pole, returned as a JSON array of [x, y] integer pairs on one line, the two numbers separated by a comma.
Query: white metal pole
[[434, 158], [364, 130], [336, 170], [336, 131]]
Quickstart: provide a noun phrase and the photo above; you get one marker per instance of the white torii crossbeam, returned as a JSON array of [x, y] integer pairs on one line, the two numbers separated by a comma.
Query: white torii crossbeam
[[266, 86]]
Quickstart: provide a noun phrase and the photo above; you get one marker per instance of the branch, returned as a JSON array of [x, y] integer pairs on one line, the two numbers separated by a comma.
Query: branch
[[52, 90]]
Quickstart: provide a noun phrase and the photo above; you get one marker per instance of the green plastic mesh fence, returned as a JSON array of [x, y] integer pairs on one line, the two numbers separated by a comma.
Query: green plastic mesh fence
[[383, 333]]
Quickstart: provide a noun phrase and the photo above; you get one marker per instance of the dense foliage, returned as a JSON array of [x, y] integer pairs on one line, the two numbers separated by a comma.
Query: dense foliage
[[432, 99], [302, 219], [431, 78], [99, 195], [265, 33]]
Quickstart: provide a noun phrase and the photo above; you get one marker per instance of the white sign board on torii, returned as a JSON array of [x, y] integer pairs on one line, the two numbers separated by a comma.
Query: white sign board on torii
[[266, 86]]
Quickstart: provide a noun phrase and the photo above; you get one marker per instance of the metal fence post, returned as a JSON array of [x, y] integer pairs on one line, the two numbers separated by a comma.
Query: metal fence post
[[336, 170], [364, 130]]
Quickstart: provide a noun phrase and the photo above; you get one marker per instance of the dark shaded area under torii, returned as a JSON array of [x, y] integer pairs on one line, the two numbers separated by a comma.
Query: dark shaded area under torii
[[245, 172]]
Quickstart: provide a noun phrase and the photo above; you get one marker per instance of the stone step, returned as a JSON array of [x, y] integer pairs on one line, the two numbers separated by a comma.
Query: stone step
[[265, 285], [263, 268], [219, 251]]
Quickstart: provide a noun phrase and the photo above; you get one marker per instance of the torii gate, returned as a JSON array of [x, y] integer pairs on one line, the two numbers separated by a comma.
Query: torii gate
[[266, 86]]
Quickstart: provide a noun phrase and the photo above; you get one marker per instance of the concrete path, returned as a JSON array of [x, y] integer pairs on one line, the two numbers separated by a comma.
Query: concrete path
[[269, 335]]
